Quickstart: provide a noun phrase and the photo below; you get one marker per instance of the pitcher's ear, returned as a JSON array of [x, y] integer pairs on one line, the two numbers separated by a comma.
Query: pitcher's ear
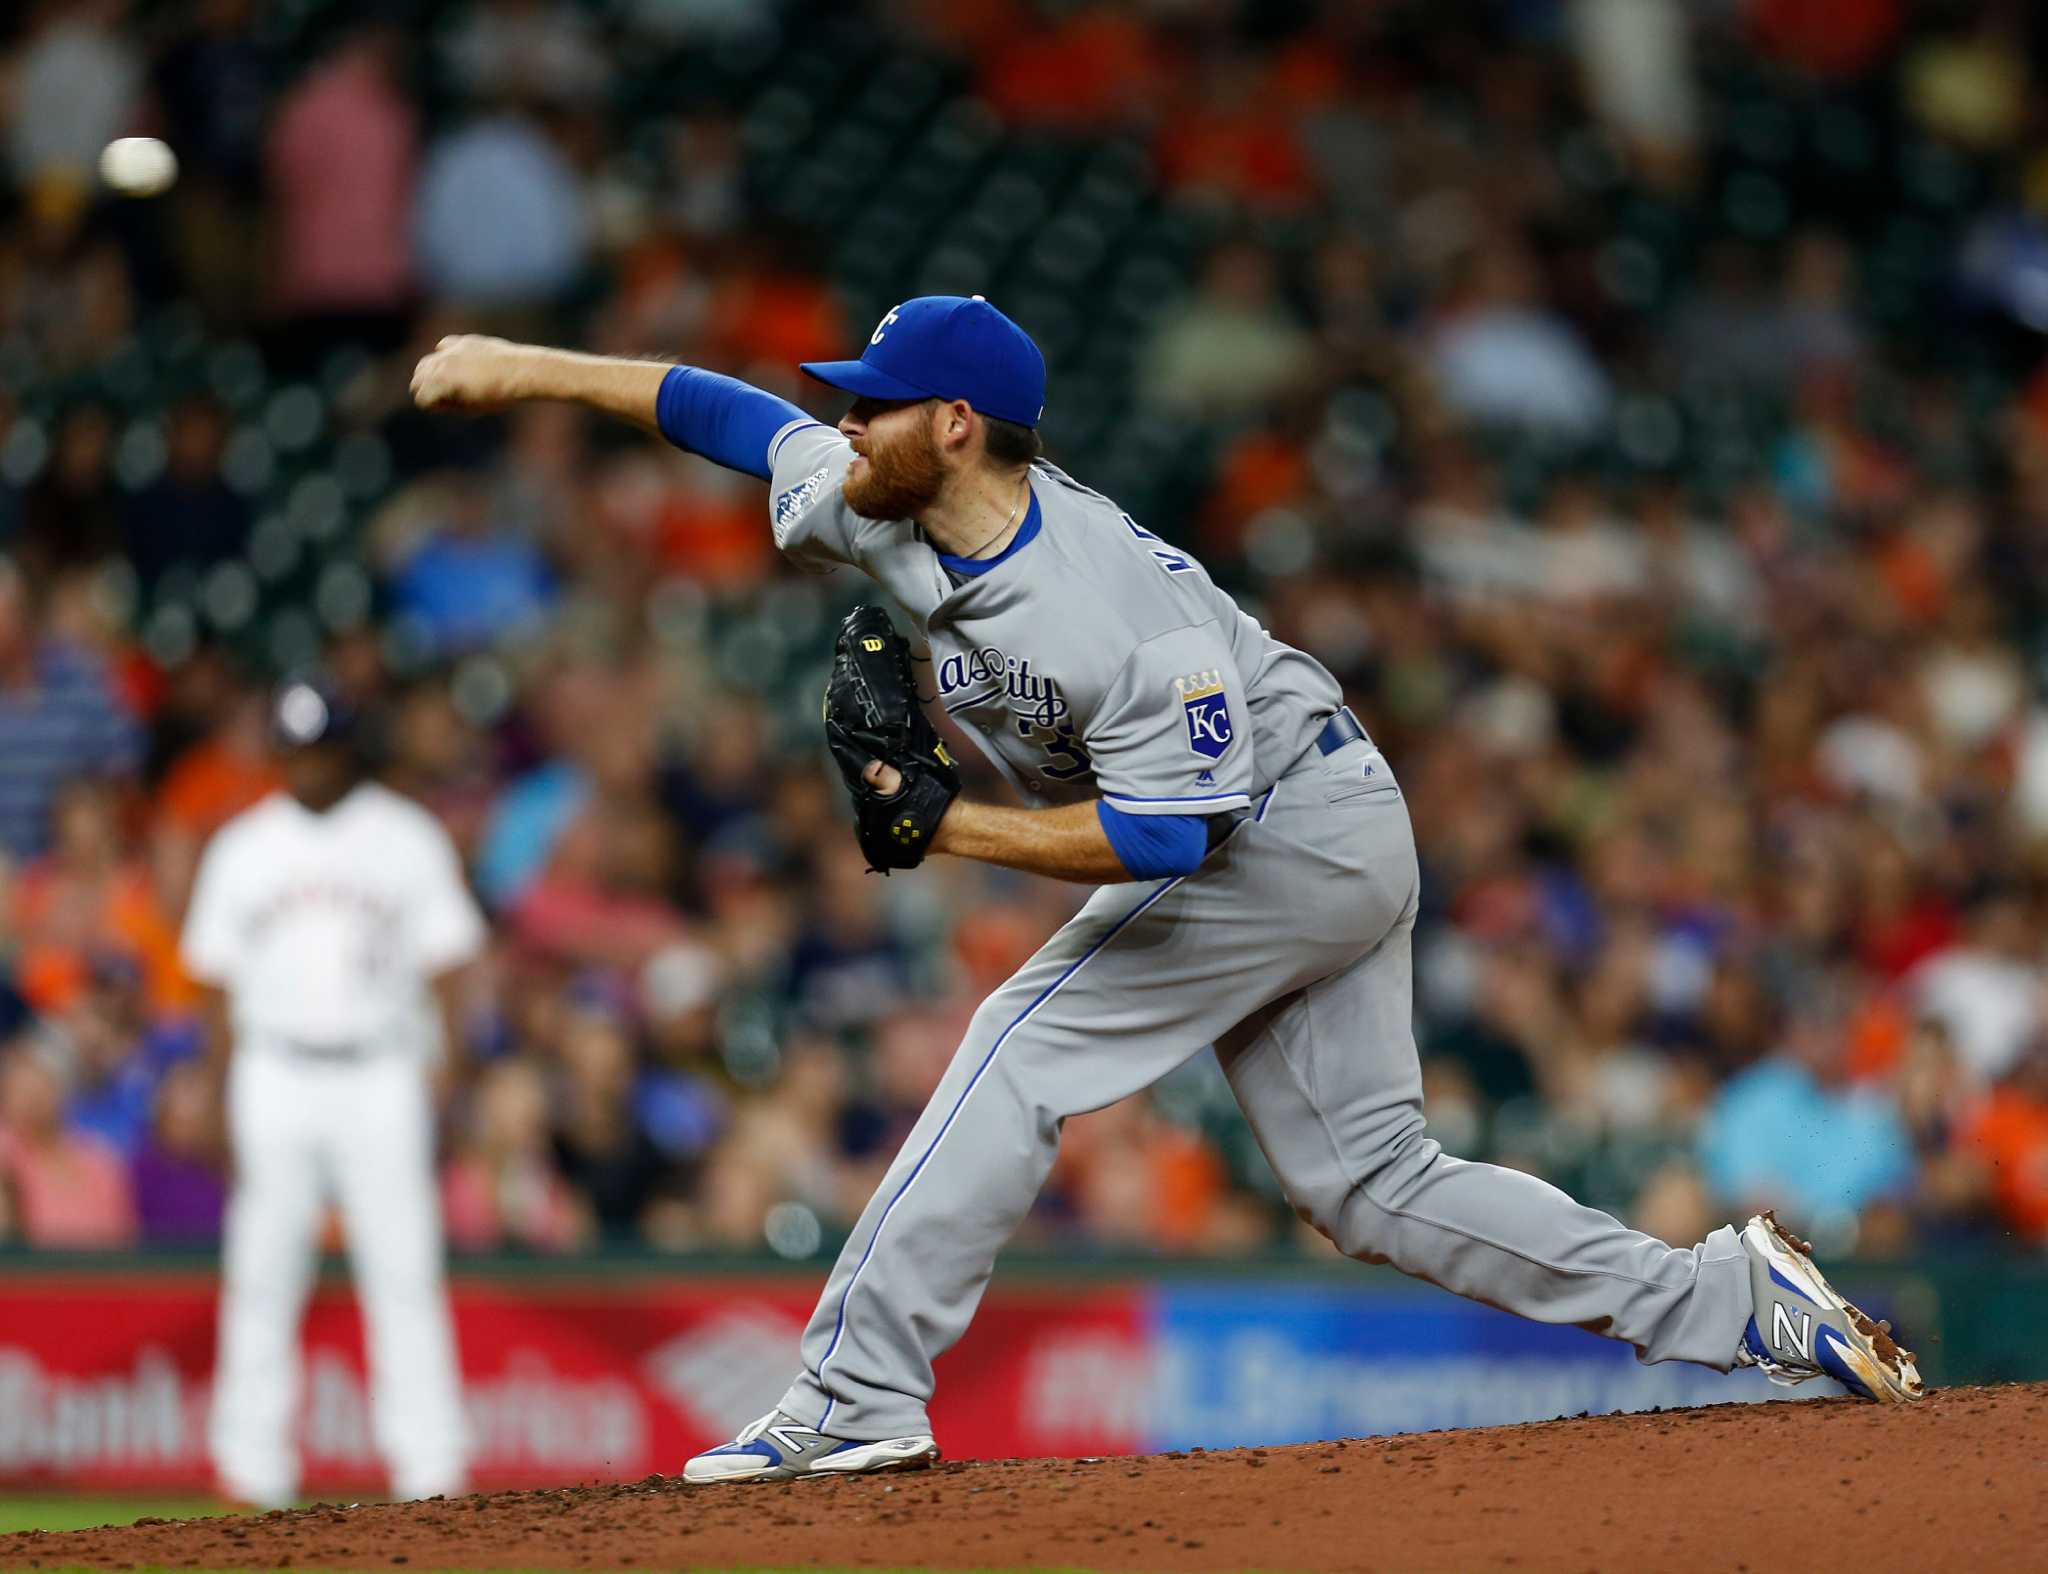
[[956, 422]]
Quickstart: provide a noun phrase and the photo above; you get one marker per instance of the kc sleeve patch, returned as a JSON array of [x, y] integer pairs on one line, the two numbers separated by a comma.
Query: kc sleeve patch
[[1205, 703], [1165, 739]]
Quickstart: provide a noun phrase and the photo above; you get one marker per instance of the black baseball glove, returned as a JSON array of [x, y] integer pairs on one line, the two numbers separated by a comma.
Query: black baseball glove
[[871, 713]]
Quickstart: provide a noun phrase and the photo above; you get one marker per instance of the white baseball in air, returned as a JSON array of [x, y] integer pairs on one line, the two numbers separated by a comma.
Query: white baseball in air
[[138, 166]]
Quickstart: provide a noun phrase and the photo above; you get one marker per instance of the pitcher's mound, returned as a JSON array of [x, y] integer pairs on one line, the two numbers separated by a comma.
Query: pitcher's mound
[[1958, 1481]]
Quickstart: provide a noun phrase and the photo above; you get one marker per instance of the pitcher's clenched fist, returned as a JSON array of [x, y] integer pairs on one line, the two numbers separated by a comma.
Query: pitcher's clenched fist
[[474, 372], [470, 371]]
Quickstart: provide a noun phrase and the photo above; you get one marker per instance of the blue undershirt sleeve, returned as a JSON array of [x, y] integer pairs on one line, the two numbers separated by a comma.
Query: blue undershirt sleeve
[[1153, 846], [727, 421]]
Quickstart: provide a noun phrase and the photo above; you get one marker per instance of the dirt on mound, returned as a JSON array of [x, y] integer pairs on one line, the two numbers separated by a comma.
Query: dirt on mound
[[1960, 1480]]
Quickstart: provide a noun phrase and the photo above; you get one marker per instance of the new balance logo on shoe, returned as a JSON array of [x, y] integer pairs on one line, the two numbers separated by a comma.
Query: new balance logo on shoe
[[1784, 1337], [794, 1439]]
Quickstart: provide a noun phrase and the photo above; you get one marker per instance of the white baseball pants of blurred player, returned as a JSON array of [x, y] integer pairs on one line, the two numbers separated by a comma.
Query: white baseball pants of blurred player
[[308, 1129]]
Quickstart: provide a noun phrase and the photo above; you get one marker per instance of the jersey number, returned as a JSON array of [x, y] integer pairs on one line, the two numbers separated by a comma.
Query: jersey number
[[1061, 743], [1162, 554]]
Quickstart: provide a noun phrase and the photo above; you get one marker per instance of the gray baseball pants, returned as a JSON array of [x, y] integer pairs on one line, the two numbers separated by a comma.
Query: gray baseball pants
[[1289, 950]]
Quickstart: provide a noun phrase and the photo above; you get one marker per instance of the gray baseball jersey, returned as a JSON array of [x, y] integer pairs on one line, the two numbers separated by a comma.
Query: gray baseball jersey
[[1094, 658], [1091, 660]]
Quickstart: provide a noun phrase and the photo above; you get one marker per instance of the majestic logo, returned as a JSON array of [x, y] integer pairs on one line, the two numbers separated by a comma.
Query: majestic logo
[[1785, 1337], [1208, 712], [1032, 697], [792, 505]]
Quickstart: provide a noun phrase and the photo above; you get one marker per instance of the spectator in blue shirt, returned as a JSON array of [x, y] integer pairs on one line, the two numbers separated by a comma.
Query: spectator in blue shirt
[[500, 218], [468, 580], [58, 720], [1794, 1132]]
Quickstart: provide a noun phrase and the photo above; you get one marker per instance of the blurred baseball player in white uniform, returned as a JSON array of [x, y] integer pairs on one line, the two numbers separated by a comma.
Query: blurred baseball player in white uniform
[[328, 923]]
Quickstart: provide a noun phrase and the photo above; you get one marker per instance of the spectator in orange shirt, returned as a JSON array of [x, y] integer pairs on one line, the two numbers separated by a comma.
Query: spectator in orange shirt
[[1266, 467], [1136, 1179], [774, 310], [86, 896], [1097, 67], [67, 1190], [221, 767], [226, 772], [2010, 1131], [1233, 137], [710, 532]]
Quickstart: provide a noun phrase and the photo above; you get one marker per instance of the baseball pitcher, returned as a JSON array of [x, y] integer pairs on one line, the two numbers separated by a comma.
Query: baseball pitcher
[[327, 922], [1257, 881]]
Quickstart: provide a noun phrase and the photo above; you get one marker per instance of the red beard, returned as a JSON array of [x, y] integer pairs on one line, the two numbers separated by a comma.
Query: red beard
[[902, 478]]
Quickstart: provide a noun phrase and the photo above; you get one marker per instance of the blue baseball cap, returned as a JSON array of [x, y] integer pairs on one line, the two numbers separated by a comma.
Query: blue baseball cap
[[947, 347]]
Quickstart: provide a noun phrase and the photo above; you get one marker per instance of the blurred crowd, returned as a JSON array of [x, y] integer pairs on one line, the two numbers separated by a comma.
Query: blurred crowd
[[1640, 405]]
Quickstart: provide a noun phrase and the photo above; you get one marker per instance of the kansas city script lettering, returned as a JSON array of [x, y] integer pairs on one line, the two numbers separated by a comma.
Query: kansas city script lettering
[[1032, 697]]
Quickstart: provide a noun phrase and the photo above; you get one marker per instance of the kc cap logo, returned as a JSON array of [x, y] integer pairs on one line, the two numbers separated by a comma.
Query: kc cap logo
[[1207, 709]]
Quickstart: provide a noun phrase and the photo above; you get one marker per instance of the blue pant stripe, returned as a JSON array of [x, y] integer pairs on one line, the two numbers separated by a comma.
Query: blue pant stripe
[[987, 1060]]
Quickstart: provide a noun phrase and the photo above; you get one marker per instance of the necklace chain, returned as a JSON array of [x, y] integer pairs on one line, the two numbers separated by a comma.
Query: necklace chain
[[1024, 492]]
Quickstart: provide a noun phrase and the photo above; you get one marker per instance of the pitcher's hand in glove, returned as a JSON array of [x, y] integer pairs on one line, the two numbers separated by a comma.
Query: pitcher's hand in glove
[[872, 718]]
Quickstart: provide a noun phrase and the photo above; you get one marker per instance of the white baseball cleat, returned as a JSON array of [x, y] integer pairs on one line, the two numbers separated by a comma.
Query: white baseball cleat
[[1801, 1328], [779, 1448]]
